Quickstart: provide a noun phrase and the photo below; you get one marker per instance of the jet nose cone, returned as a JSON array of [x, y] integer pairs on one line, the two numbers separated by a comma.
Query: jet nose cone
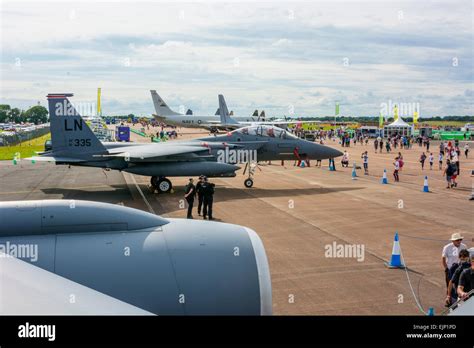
[[333, 153]]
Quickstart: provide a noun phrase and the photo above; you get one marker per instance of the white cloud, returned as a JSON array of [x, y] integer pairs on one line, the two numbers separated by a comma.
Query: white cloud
[[286, 53]]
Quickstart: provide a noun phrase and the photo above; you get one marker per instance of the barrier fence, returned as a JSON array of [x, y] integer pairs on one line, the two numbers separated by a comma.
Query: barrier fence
[[14, 139]]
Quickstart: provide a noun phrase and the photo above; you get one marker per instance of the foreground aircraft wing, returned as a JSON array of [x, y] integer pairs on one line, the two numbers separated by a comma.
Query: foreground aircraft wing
[[29, 290]]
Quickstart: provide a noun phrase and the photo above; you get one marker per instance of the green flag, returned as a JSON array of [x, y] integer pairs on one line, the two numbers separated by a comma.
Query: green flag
[[337, 108], [381, 120]]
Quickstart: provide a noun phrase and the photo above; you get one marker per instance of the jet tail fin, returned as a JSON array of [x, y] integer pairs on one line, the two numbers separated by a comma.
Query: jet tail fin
[[70, 134], [224, 112], [255, 113], [160, 106]]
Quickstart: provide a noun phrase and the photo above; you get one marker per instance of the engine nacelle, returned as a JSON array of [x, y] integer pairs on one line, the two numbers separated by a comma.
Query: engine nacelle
[[164, 266]]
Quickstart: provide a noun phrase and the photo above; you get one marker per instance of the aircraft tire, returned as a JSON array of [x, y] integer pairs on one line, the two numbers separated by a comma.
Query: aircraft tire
[[248, 183], [164, 185]]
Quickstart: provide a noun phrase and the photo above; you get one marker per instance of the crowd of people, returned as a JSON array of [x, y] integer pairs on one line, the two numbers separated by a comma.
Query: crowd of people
[[448, 157], [458, 265]]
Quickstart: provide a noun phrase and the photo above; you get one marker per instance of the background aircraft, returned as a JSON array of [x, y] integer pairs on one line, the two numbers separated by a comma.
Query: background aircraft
[[119, 260], [211, 122], [227, 121], [73, 143], [224, 121]]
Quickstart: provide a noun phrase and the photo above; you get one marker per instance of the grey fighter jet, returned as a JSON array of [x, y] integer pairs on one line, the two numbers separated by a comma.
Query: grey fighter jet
[[73, 143], [256, 143], [64, 257]]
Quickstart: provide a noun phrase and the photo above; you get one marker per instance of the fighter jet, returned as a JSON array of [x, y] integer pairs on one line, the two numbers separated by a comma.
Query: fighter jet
[[64, 257], [256, 143], [73, 143]]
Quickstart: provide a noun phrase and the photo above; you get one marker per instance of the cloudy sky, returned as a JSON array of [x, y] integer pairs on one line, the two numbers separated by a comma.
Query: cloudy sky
[[287, 58]]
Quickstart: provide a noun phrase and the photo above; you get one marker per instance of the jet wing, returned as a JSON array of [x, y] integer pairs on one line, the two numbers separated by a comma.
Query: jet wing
[[152, 153], [29, 290]]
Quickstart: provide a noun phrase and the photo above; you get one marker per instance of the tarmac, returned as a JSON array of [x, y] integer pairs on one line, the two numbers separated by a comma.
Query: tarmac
[[298, 213]]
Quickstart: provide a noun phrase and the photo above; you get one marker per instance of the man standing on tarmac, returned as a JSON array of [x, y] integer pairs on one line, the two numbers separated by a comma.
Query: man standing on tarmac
[[450, 254], [200, 194], [189, 193], [208, 192], [466, 281]]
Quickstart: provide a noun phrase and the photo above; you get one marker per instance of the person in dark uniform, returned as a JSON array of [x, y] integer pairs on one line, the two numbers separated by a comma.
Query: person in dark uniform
[[208, 192], [189, 193], [200, 194], [466, 280]]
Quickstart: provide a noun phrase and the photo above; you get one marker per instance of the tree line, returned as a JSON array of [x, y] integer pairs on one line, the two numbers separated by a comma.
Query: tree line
[[36, 114], [391, 119]]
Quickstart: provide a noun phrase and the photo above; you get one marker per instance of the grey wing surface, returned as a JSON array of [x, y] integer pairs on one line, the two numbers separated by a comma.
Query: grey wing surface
[[29, 290]]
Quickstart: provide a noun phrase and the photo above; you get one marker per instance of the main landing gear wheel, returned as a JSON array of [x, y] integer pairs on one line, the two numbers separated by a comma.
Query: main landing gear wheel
[[164, 185], [248, 183]]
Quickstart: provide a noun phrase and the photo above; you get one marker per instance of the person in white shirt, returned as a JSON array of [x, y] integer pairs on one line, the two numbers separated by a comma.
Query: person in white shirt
[[345, 159], [431, 160], [365, 159], [396, 168], [466, 149], [440, 160], [450, 254]]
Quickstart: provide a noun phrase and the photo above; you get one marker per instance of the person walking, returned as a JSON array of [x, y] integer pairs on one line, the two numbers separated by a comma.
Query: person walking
[[455, 160], [466, 150], [449, 172], [189, 193], [431, 160], [396, 168], [376, 144], [381, 144], [440, 160], [365, 160], [422, 160]]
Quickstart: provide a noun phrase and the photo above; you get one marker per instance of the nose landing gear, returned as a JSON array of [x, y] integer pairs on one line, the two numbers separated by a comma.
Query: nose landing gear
[[248, 183]]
